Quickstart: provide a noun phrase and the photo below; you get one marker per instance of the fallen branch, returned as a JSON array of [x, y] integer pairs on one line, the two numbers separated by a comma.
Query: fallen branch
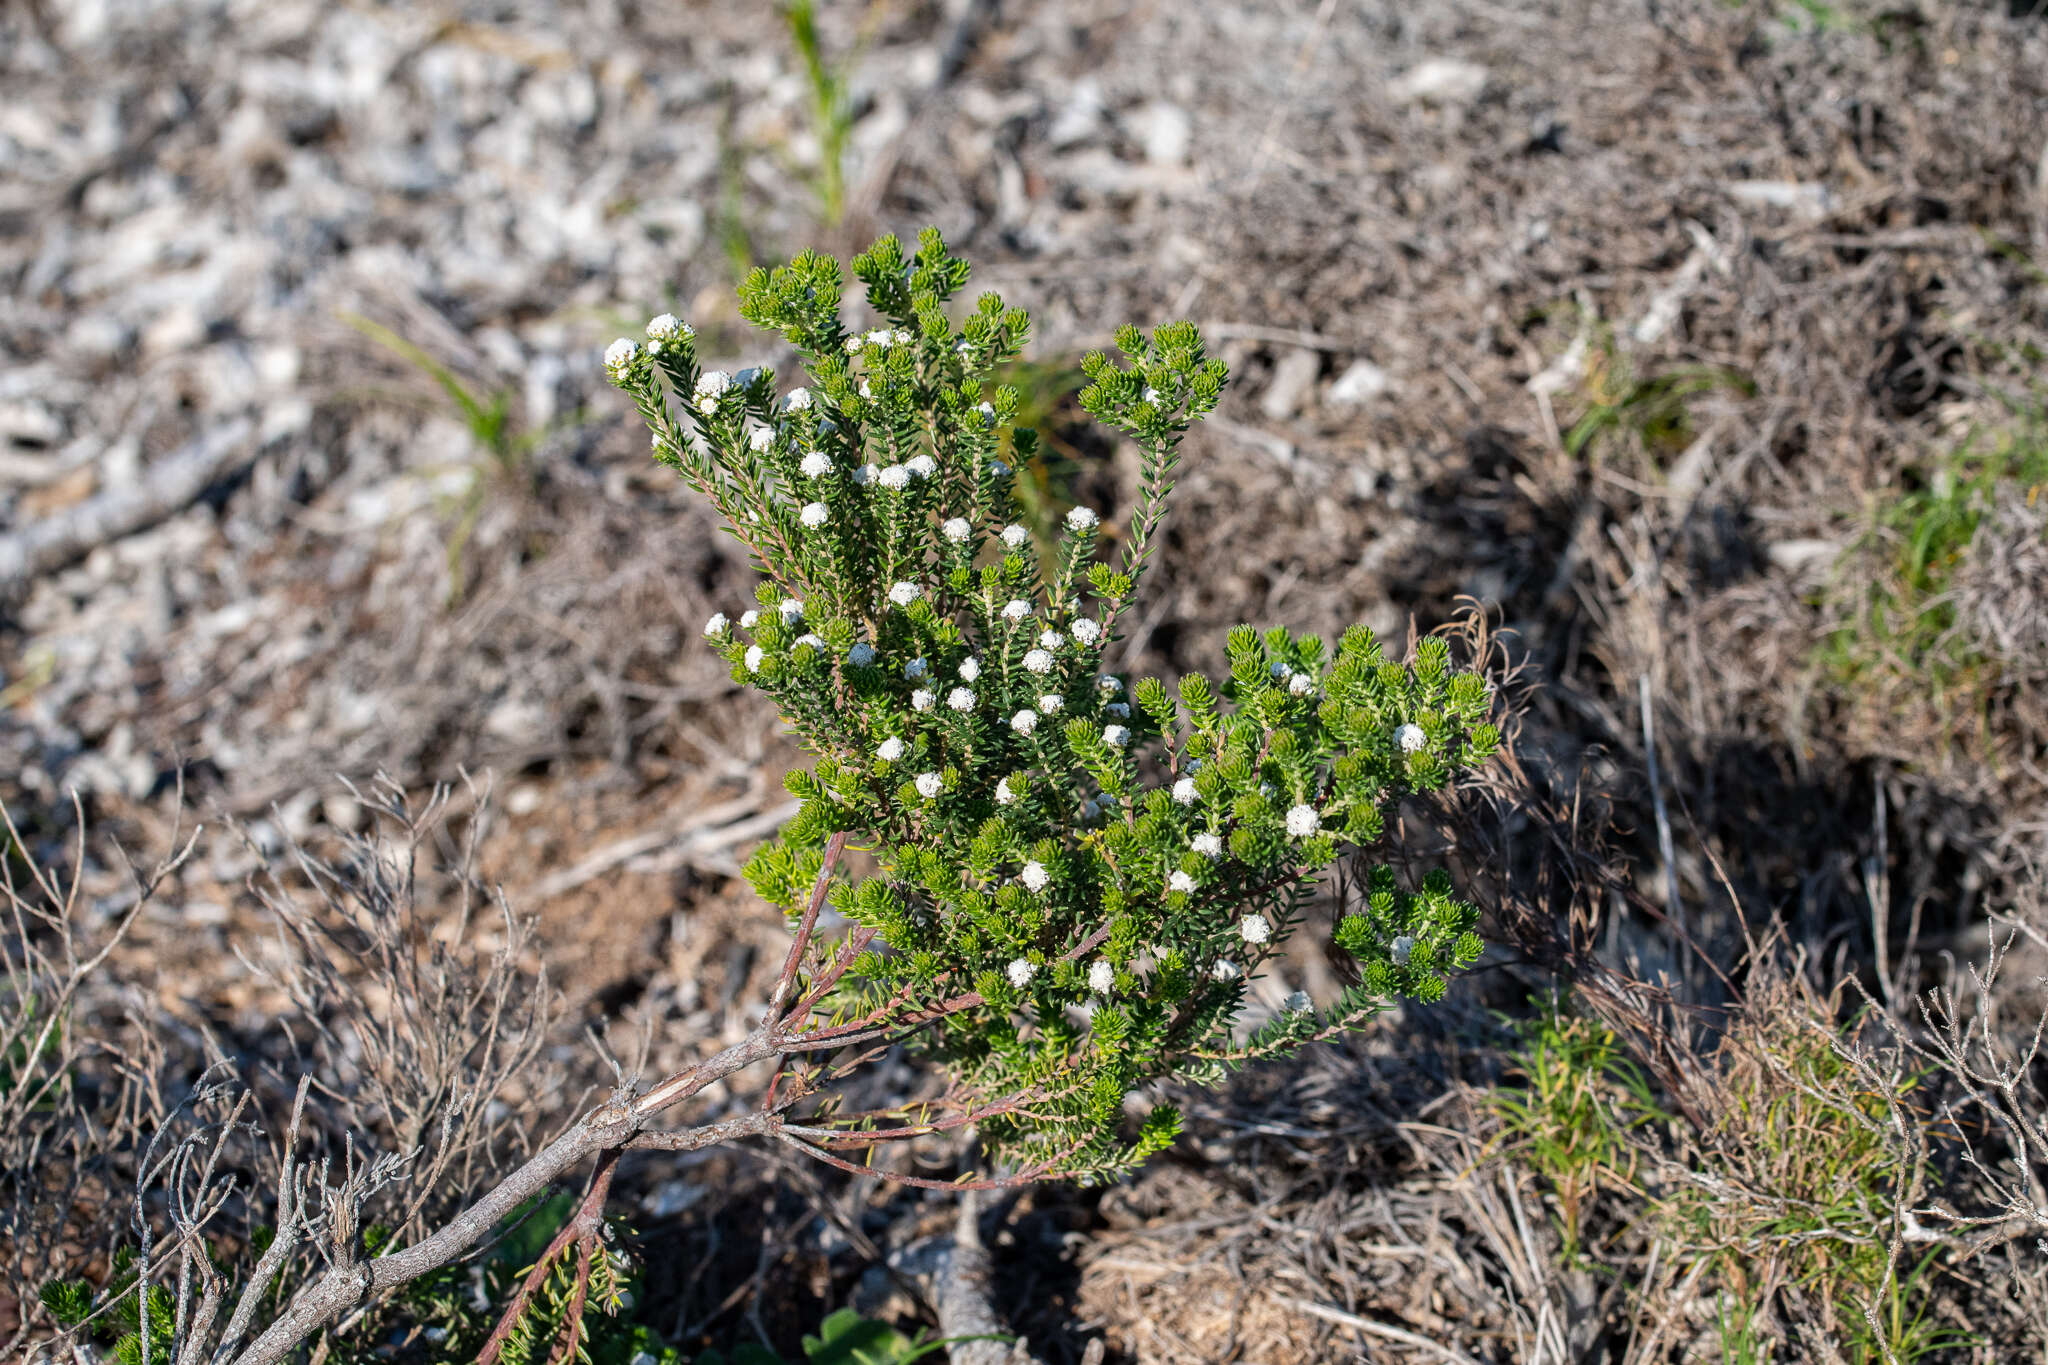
[[170, 486]]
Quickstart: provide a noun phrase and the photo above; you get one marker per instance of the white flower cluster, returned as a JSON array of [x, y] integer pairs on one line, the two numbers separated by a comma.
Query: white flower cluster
[[956, 529], [1087, 630], [1101, 977], [861, 655], [1302, 821], [904, 593], [1254, 928], [716, 625], [797, 400], [1410, 738], [712, 385], [1037, 661], [1025, 721], [1020, 972], [961, 699], [1016, 609], [619, 357], [1081, 519], [1208, 845], [1181, 882], [889, 750], [815, 514], [1186, 792], [667, 328], [815, 465], [1015, 536], [1034, 876], [929, 785]]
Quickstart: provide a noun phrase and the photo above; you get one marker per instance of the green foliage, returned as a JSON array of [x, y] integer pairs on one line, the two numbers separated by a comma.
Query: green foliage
[[847, 1338], [1049, 841], [1652, 412], [1571, 1119], [1902, 618], [508, 445], [831, 112]]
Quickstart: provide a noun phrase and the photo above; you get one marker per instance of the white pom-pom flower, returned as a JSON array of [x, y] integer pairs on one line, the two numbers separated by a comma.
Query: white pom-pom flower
[[1025, 721], [865, 391], [970, 668], [1303, 821], [922, 699], [1297, 1003], [1186, 792], [861, 655], [815, 514], [620, 355], [853, 345], [754, 656], [1109, 684], [1050, 639], [717, 624], [1016, 609], [916, 668], [1225, 970], [1016, 537], [880, 338], [1115, 736], [1120, 709], [904, 593], [1082, 519], [815, 465], [867, 474], [930, 785], [711, 386], [1034, 876], [761, 440], [961, 699], [1410, 738], [1006, 795], [749, 619], [924, 466], [1300, 685], [895, 478], [792, 610], [1087, 630], [797, 400], [1051, 702], [889, 750], [956, 529], [904, 338], [1101, 977], [1037, 661], [812, 640], [665, 327], [1254, 929], [1181, 882], [1020, 972], [1208, 845], [988, 413]]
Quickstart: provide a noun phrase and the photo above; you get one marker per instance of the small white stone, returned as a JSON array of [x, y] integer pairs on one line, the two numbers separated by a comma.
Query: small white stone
[[930, 785], [1254, 929], [889, 750], [1034, 876]]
